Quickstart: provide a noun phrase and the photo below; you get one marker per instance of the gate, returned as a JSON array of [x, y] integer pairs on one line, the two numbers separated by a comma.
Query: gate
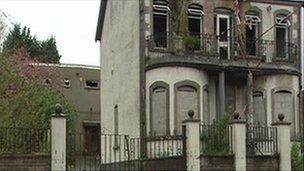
[[261, 140]]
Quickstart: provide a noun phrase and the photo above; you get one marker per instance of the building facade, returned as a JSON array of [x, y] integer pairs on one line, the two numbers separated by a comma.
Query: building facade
[[212, 57], [80, 84]]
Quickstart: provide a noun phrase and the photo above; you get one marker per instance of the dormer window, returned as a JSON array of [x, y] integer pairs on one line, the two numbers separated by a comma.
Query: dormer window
[[160, 23]]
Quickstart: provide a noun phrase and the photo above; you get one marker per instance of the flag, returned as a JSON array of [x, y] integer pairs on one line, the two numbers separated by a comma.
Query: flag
[[237, 11]]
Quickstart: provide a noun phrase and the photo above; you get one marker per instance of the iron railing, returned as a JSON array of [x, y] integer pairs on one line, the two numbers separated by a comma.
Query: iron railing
[[208, 46], [216, 139], [261, 140], [14, 140]]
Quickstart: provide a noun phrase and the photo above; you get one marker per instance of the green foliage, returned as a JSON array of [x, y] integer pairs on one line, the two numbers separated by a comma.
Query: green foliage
[[216, 137], [192, 43], [27, 102], [297, 159], [42, 51]]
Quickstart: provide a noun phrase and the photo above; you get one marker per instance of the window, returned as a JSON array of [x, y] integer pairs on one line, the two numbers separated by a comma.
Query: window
[[230, 98], [160, 23], [252, 31], [187, 98], [116, 119], [223, 32], [159, 109], [195, 24], [259, 102], [282, 35], [66, 83], [91, 84], [206, 114]]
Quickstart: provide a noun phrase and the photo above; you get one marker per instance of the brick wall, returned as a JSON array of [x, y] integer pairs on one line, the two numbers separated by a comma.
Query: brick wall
[[263, 163], [172, 163], [25, 162], [219, 163]]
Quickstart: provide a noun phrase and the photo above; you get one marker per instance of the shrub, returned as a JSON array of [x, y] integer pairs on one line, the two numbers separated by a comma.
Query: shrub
[[297, 156]]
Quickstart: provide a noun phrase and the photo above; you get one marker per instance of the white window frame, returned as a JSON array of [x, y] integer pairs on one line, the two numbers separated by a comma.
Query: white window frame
[[90, 87], [282, 22], [253, 19]]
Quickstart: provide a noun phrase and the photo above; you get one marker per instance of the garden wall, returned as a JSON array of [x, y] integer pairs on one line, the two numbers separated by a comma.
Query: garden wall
[[25, 162]]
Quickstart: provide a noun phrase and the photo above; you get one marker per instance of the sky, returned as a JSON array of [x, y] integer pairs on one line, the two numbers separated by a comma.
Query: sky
[[71, 22]]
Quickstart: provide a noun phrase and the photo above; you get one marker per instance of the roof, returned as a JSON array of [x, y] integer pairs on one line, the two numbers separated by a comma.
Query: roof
[[101, 16], [68, 66]]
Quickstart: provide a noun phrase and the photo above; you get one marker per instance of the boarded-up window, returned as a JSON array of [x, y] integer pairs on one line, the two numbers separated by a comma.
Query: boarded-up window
[[159, 108], [187, 99], [283, 103], [259, 116]]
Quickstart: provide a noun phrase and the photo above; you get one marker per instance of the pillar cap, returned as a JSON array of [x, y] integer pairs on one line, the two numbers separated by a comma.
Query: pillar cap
[[58, 111], [191, 120], [277, 123]]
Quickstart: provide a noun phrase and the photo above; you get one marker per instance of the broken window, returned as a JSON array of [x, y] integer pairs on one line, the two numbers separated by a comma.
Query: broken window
[[160, 23], [259, 115], [252, 31], [282, 35], [159, 110], [187, 99], [66, 83], [92, 84], [195, 24]]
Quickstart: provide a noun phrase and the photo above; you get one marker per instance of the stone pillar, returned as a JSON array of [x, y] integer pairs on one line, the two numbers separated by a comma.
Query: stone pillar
[[284, 143], [221, 93], [192, 142], [239, 142], [58, 139]]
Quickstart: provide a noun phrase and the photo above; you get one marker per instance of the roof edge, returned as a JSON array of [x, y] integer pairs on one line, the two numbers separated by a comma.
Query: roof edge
[[101, 17]]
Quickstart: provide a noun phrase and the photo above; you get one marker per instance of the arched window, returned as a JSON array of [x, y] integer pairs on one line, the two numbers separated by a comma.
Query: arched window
[[187, 98], [159, 109], [195, 19], [160, 23], [283, 24], [259, 107], [253, 21]]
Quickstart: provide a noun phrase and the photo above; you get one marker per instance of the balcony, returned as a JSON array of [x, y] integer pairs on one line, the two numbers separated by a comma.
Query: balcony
[[223, 49]]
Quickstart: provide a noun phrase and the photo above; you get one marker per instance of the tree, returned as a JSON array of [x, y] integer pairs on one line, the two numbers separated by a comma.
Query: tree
[[26, 100], [20, 37]]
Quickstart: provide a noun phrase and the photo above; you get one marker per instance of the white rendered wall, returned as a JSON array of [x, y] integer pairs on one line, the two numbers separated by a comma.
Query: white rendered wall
[[172, 75], [120, 67], [269, 82]]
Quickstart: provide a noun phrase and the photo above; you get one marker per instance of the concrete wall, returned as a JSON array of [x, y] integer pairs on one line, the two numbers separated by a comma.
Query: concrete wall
[[86, 101], [173, 75], [120, 76], [262, 163], [217, 162], [25, 162]]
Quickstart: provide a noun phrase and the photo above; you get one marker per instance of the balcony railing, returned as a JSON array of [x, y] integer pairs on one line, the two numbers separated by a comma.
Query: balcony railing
[[233, 48]]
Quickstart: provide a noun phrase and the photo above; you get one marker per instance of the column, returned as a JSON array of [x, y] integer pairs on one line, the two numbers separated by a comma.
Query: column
[[221, 93], [284, 144], [239, 142], [192, 142], [58, 137]]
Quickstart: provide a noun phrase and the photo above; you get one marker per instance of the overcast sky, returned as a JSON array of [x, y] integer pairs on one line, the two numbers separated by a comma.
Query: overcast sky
[[71, 22]]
